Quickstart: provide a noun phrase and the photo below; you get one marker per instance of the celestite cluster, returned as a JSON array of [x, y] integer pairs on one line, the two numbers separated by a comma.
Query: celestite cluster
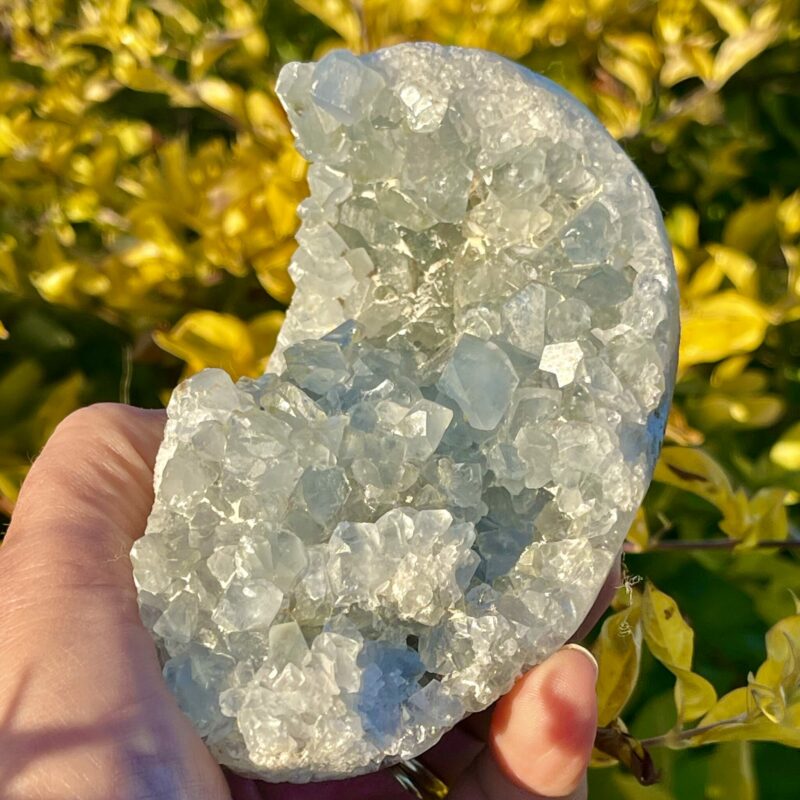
[[424, 495]]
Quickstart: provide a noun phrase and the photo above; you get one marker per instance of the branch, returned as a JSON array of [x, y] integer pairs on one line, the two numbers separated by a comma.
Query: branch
[[671, 738]]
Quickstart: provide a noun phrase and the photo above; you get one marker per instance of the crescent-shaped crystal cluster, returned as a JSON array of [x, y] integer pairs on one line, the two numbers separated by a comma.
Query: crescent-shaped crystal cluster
[[424, 495]]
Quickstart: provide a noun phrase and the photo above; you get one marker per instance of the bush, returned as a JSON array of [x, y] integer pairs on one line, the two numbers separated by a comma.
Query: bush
[[148, 187]]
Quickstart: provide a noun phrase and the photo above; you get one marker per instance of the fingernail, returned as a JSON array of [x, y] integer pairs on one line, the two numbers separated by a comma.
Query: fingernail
[[584, 652]]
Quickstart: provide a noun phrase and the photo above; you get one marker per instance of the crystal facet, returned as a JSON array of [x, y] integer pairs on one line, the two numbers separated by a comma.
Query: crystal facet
[[424, 495]]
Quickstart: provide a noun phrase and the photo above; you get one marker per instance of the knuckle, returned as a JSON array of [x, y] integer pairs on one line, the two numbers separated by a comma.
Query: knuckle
[[97, 441], [98, 419], [110, 429]]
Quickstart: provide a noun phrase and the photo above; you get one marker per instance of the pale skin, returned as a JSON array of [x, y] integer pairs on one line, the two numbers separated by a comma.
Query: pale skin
[[85, 714]]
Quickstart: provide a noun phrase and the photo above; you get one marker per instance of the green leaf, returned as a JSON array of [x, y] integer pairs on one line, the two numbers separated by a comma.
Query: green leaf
[[606, 784], [731, 774]]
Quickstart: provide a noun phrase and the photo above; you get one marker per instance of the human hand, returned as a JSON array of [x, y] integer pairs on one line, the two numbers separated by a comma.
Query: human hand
[[85, 714]]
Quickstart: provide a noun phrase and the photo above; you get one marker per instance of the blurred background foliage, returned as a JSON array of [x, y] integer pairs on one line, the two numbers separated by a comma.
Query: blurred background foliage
[[148, 187]]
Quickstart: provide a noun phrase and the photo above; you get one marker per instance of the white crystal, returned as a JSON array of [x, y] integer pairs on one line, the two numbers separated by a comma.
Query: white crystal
[[562, 360], [481, 379], [345, 86], [247, 605], [424, 495]]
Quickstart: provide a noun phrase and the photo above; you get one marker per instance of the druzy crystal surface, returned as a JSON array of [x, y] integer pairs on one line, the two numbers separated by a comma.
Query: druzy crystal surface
[[425, 493]]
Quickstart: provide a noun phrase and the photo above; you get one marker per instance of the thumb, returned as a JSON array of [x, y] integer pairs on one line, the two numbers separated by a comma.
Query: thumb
[[86, 499], [542, 731], [83, 709]]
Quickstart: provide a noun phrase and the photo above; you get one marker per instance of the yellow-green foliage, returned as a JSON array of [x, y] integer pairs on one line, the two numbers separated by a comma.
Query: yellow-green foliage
[[148, 188]]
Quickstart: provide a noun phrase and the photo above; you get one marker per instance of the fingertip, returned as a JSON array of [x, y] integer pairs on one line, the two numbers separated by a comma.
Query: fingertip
[[543, 730]]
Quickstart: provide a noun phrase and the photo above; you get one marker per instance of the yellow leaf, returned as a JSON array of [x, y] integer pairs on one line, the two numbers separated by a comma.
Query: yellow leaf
[[222, 96], [82, 205], [209, 51], [55, 284], [736, 51], [264, 331], [705, 280], [639, 535], [635, 76], [716, 410], [621, 118], [729, 370], [177, 11], [789, 214], [635, 62], [731, 706], [271, 270], [338, 15], [618, 650], [721, 325], [786, 451], [668, 636], [766, 517], [765, 701], [758, 729], [683, 265], [751, 224], [672, 19], [637, 46], [694, 695], [680, 431], [740, 269], [792, 256], [9, 274], [670, 639], [729, 16], [264, 113], [768, 708], [691, 58], [683, 227], [134, 138], [4, 334], [737, 398], [210, 339], [781, 669], [694, 471]]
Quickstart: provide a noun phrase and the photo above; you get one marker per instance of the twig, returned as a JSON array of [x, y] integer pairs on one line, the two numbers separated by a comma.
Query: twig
[[673, 737]]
